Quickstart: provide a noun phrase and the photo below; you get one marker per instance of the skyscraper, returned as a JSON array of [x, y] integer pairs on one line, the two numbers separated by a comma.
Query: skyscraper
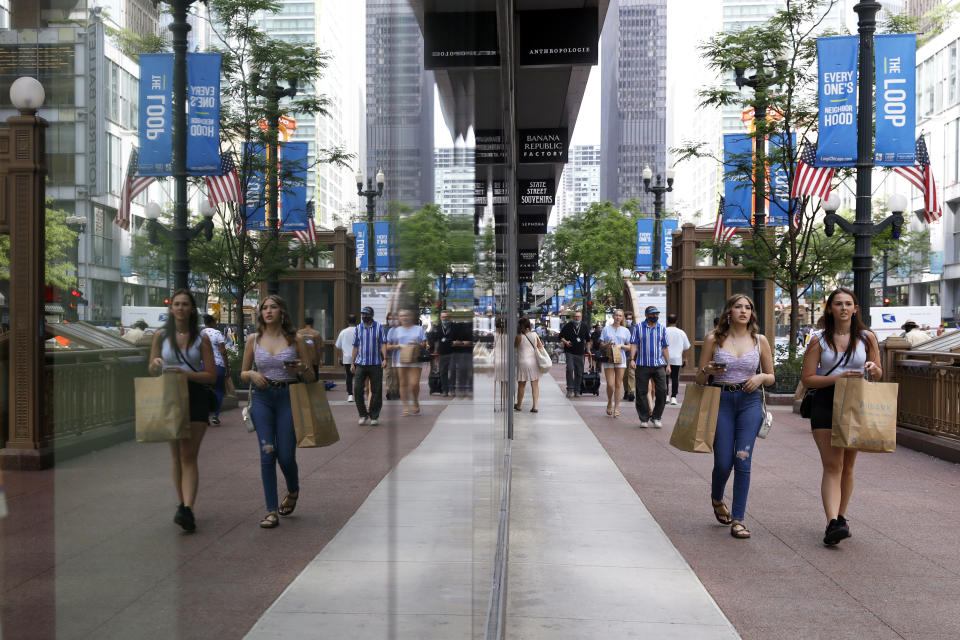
[[633, 97], [399, 104], [580, 182], [455, 178]]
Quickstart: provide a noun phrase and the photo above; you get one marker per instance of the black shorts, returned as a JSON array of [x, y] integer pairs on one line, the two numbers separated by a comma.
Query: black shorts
[[199, 401], [821, 411]]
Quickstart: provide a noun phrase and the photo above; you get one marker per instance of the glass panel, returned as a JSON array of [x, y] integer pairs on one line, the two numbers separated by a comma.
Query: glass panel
[[709, 298], [318, 304], [290, 292]]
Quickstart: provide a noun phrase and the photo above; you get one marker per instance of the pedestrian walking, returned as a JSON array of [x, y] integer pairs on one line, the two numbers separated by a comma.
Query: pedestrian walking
[[629, 381], [738, 357], [500, 360], [222, 363], [615, 339], [461, 370], [180, 348], [526, 343], [369, 358], [575, 338], [650, 359], [677, 344], [344, 345], [845, 348], [405, 344], [282, 358], [314, 341], [441, 339]]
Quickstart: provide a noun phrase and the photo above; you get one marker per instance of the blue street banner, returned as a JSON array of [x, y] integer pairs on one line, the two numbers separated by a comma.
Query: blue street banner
[[737, 192], [936, 262], [667, 227], [156, 116], [568, 292], [254, 200], [203, 117], [382, 247], [837, 82], [896, 72], [780, 203], [644, 260], [293, 186], [360, 231]]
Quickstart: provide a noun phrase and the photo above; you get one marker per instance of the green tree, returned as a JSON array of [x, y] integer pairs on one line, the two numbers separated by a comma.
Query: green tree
[[431, 243], [60, 242]]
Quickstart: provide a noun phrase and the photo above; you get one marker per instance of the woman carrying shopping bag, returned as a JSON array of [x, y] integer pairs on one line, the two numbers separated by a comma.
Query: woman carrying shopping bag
[[282, 358], [738, 358], [180, 348], [844, 349], [615, 342], [527, 343], [406, 341]]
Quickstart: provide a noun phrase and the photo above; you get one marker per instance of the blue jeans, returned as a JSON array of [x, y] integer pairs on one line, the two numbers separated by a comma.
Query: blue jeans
[[738, 422], [220, 388], [277, 440]]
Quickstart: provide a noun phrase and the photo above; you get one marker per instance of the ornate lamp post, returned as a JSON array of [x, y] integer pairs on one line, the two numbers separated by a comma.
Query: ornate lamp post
[[862, 228], [273, 92], [370, 194], [155, 229], [657, 190]]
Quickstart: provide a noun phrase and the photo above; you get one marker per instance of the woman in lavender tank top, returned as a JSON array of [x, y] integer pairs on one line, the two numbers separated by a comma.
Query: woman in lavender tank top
[[282, 358], [733, 353]]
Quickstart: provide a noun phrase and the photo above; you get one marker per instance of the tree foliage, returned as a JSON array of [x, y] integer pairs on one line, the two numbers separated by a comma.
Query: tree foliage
[[431, 244], [60, 241]]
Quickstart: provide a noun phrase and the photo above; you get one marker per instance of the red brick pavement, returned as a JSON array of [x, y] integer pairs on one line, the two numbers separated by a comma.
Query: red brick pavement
[[897, 577], [89, 549]]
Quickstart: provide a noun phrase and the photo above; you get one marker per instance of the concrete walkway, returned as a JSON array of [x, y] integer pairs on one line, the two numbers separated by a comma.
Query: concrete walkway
[[587, 560]]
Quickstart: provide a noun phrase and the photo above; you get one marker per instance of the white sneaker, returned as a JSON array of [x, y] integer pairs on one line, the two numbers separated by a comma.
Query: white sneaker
[[363, 421], [657, 424], [350, 398], [673, 400], [374, 422], [644, 424]]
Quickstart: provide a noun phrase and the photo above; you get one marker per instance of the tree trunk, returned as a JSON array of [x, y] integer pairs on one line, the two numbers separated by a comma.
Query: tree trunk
[[238, 319], [794, 322], [587, 308]]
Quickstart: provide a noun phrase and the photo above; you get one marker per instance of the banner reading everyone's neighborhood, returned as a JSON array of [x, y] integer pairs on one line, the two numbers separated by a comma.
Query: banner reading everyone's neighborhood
[[737, 193], [837, 80]]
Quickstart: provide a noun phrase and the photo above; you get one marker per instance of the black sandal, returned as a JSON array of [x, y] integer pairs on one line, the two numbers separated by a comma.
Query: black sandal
[[289, 504], [270, 521], [720, 512], [739, 531]]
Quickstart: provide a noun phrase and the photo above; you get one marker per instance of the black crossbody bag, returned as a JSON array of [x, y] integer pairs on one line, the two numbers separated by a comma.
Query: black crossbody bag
[[806, 405], [211, 395]]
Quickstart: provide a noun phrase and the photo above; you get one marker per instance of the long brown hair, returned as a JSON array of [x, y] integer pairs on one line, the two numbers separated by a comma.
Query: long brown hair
[[830, 325], [723, 328], [193, 322], [286, 325]]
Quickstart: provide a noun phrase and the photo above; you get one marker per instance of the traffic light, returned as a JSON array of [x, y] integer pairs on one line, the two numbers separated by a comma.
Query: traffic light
[[76, 298], [886, 302]]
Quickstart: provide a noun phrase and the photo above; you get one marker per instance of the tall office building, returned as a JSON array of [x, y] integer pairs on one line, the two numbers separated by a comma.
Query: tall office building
[[579, 183], [399, 104], [633, 98], [454, 178]]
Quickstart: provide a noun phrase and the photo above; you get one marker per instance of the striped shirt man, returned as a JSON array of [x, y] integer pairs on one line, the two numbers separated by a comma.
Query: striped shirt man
[[368, 340], [651, 343]]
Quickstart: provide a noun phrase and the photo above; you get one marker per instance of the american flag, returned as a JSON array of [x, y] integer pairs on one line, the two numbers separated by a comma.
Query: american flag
[[133, 185], [921, 177], [721, 232], [226, 186], [808, 179], [308, 238]]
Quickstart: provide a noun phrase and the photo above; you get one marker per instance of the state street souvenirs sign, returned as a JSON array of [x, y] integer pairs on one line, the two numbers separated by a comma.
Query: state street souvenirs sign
[[558, 37], [537, 192], [500, 195], [837, 82], [542, 145], [453, 40], [489, 147], [480, 193]]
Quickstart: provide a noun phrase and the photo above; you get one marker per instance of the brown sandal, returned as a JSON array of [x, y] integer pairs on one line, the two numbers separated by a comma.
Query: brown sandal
[[289, 504], [739, 531], [720, 512], [270, 521]]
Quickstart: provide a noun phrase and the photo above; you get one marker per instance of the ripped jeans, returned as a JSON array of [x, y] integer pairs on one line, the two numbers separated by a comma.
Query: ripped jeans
[[278, 441], [738, 421]]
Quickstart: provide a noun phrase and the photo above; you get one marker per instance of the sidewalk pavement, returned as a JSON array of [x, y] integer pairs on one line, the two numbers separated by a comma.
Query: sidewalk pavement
[[897, 577]]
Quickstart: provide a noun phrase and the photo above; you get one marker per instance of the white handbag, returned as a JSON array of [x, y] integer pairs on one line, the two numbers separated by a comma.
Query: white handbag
[[245, 412], [767, 416], [543, 358]]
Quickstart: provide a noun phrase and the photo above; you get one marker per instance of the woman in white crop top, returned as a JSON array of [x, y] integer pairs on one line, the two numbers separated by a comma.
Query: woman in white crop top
[[845, 349]]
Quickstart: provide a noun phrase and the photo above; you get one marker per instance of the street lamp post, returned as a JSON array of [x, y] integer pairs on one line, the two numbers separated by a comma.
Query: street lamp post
[[77, 224], [370, 194], [273, 92], [657, 190], [184, 235], [863, 229]]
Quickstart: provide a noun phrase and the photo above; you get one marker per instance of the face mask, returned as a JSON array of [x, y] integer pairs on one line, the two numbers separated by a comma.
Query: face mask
[[629, 321], [652, 319], [367, 319]]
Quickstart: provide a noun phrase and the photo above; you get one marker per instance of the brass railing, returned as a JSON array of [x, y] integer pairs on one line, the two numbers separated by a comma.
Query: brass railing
[[929, 394]]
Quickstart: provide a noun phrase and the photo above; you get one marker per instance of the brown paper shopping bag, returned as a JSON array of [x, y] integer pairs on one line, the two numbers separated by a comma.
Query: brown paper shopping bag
[[312, 419], [616, 353], [409, 354], [865, 415], [697, 422], [230, 390], [163, 408]]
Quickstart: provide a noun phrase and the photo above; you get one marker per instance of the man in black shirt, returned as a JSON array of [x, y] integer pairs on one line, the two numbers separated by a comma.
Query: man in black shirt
[[461, 360], [441, 342], [575, 338]]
